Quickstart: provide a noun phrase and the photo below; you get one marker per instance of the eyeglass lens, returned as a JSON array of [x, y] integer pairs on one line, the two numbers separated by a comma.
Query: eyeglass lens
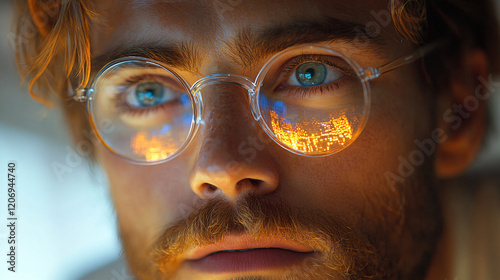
[[151, 111], [311, 102]]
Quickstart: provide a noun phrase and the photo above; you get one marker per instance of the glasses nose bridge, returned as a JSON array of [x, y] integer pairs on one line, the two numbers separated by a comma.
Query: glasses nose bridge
[[241, 81], [230, 79]]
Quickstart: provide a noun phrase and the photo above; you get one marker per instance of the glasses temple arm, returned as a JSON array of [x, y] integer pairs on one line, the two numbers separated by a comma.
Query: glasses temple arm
[[371, 73]]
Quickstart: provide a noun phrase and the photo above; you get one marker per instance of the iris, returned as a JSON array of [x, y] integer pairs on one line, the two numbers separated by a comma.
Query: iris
[[311, 74], [149, 94]]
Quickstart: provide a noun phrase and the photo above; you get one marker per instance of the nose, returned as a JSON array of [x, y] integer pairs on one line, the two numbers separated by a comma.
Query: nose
[[232, 160]]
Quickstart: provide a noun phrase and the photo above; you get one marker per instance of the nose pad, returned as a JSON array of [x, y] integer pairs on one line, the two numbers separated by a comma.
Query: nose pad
[[223, 166]]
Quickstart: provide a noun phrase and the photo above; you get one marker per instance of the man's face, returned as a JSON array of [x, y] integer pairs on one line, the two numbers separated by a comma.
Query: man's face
[[306, 217]]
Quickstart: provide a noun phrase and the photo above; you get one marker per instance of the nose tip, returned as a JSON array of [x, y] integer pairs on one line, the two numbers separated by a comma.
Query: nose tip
[[223, 165], [237, 179]]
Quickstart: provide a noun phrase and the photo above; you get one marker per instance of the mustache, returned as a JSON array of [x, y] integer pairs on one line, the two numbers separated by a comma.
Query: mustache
[[342, 251]]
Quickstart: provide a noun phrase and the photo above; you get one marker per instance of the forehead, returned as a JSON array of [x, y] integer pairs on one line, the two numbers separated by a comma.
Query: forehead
[[208, 23]]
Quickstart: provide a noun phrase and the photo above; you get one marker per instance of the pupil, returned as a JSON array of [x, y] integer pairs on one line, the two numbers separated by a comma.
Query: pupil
[[149, 94], [311, 74]]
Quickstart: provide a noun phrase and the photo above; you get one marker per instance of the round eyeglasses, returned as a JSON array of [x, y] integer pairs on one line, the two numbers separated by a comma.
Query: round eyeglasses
[[310, 99]]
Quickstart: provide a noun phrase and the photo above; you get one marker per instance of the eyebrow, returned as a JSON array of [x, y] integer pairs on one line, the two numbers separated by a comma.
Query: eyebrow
[[250, 46], [180, 55], [253, 46]]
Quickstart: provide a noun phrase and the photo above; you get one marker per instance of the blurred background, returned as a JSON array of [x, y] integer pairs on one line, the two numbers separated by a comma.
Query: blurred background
[[66, 225]]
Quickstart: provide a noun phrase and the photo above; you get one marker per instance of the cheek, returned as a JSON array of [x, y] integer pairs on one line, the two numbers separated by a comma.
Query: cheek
[[146, 198], [346, 183]]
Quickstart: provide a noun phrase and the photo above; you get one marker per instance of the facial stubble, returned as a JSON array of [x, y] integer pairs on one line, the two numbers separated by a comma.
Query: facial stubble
[[395, 241]]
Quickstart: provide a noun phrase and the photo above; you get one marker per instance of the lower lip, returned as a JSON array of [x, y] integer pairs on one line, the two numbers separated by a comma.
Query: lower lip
[[258, 259]]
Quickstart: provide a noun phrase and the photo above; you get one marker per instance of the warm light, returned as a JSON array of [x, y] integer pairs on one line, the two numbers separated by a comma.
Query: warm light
[[156, 148], [313, 136]]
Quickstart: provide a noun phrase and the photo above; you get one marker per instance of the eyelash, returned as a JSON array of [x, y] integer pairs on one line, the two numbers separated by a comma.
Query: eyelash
[[308, 91]]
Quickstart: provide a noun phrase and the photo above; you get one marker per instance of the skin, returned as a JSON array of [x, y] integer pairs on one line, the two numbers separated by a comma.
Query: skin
[[349, 185]]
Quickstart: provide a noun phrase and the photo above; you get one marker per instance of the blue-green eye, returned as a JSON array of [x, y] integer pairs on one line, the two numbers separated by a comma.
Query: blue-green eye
[[149, 94], [311, 74]]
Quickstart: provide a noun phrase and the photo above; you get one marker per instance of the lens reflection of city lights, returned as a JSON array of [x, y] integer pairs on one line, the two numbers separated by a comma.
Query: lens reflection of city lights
[[312, 136], [157, 147]]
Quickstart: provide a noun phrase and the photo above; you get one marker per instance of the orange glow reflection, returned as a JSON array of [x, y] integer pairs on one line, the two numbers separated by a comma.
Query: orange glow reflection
[[326, 136], [158, 147]]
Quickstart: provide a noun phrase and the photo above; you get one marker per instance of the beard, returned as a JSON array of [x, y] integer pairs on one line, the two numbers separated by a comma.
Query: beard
[[395, 239], [259, 217]]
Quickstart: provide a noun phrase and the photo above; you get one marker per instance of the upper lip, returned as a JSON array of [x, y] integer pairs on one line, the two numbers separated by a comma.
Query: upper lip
[[242, 242]]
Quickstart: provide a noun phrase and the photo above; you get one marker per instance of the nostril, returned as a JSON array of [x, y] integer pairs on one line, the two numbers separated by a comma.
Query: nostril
[[209, 188], [256, 182], [249, 182]]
